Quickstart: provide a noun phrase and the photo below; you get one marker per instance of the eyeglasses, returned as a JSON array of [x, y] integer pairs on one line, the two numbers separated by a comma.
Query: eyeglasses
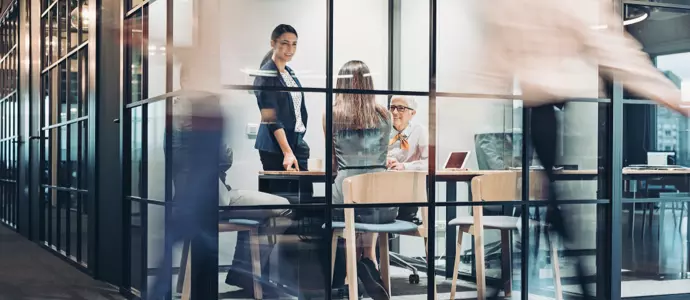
[[399, 108]]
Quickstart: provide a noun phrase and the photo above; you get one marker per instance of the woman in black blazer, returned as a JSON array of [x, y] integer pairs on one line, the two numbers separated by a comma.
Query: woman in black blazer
[[280, 139]]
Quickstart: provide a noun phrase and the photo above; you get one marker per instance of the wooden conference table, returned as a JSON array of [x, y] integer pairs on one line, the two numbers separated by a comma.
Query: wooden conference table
[[452, 177]]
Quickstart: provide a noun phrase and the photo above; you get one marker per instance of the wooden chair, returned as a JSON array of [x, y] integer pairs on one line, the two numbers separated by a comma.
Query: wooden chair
[[379, 187], [499, 187], [233, 225]]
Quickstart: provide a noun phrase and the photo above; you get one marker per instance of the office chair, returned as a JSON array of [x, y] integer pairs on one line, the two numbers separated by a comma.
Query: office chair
[[488, 188], [497, 151], [360, 187], [399, 261]]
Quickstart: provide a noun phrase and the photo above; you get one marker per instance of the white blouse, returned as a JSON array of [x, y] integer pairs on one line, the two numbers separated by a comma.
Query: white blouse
[[296, 101]]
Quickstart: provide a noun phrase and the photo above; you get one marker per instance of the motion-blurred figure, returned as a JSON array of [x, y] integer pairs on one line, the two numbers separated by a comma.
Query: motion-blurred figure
[[552, 49], [197, 131]]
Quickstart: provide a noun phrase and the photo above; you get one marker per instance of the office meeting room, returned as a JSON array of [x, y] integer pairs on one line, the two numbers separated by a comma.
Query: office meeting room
[[363, 157]]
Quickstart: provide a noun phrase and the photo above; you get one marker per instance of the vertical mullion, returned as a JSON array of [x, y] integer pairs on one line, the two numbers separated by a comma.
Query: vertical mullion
[[144, 152], [169, 15], [79, 225], [68, 33], [3, 47], [13, 143], [3, 108], [80, 21], [329, 144], [4, 212], [68, 152], [79, 163], [524, 253], [41, 150], [143, 268], [615, 186], [58, 41], [46, 187], [431, 178], [48, 41], [59, 204], [126, 145]]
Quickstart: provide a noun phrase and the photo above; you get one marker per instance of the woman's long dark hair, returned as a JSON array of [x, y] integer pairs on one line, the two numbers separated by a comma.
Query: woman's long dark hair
[[277, 32], [356, 111]]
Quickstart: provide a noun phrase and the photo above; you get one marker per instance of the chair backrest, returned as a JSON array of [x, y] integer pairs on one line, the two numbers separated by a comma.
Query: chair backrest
[[386, 187], [507, 186]]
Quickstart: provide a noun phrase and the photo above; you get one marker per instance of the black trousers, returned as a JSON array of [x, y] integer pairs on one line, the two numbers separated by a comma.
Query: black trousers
[[544, 136], [194, 214]]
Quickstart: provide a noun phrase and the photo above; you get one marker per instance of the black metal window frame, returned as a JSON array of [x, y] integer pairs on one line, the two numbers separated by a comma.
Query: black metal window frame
[[610, 197], [64, 186], [135, 14]]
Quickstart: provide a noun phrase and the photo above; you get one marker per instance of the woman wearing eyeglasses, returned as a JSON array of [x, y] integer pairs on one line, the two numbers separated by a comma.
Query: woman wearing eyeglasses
[[408, 148]]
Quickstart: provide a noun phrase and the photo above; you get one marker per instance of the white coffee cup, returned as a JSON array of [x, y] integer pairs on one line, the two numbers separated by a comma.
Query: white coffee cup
[[315, 164]]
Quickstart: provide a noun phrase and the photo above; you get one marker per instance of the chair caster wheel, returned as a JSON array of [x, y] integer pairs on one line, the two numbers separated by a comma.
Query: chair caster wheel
[[414, 279]]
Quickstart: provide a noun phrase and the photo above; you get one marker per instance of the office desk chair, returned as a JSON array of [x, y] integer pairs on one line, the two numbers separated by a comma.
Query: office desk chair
[[380, 187], [400, 261], [499, 187]]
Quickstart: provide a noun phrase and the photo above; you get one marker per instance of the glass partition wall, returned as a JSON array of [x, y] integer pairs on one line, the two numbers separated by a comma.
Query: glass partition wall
[[425, 50], [64, 135], [9, 108], [146, 81], [654, 208]]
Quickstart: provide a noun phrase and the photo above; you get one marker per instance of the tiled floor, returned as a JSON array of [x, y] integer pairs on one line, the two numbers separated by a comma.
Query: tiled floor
[[28, 272]]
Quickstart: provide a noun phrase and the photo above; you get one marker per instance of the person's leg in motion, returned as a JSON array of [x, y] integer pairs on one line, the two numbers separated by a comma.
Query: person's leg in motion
[[544, 134], [195, 211]]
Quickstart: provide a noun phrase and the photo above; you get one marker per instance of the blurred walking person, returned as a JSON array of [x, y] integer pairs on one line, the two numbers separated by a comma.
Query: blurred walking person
[[196, 124], [552, 48]]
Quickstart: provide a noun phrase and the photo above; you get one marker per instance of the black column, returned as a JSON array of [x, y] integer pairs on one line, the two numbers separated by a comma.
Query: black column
[[104, 110]]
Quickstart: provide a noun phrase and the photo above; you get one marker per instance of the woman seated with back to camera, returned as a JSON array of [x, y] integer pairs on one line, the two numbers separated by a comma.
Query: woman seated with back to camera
[[361, 130]]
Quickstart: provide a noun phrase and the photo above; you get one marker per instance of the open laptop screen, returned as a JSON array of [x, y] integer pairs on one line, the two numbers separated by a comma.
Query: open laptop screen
[[457, 160]]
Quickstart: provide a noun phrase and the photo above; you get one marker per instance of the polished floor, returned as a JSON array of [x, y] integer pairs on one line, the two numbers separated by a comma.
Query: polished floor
[[28, 272]]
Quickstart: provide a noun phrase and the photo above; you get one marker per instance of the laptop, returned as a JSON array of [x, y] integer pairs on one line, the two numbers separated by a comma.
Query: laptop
[[457, 160]]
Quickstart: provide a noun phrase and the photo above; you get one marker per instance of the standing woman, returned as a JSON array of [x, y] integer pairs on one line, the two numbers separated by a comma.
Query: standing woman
[[280, 139]]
